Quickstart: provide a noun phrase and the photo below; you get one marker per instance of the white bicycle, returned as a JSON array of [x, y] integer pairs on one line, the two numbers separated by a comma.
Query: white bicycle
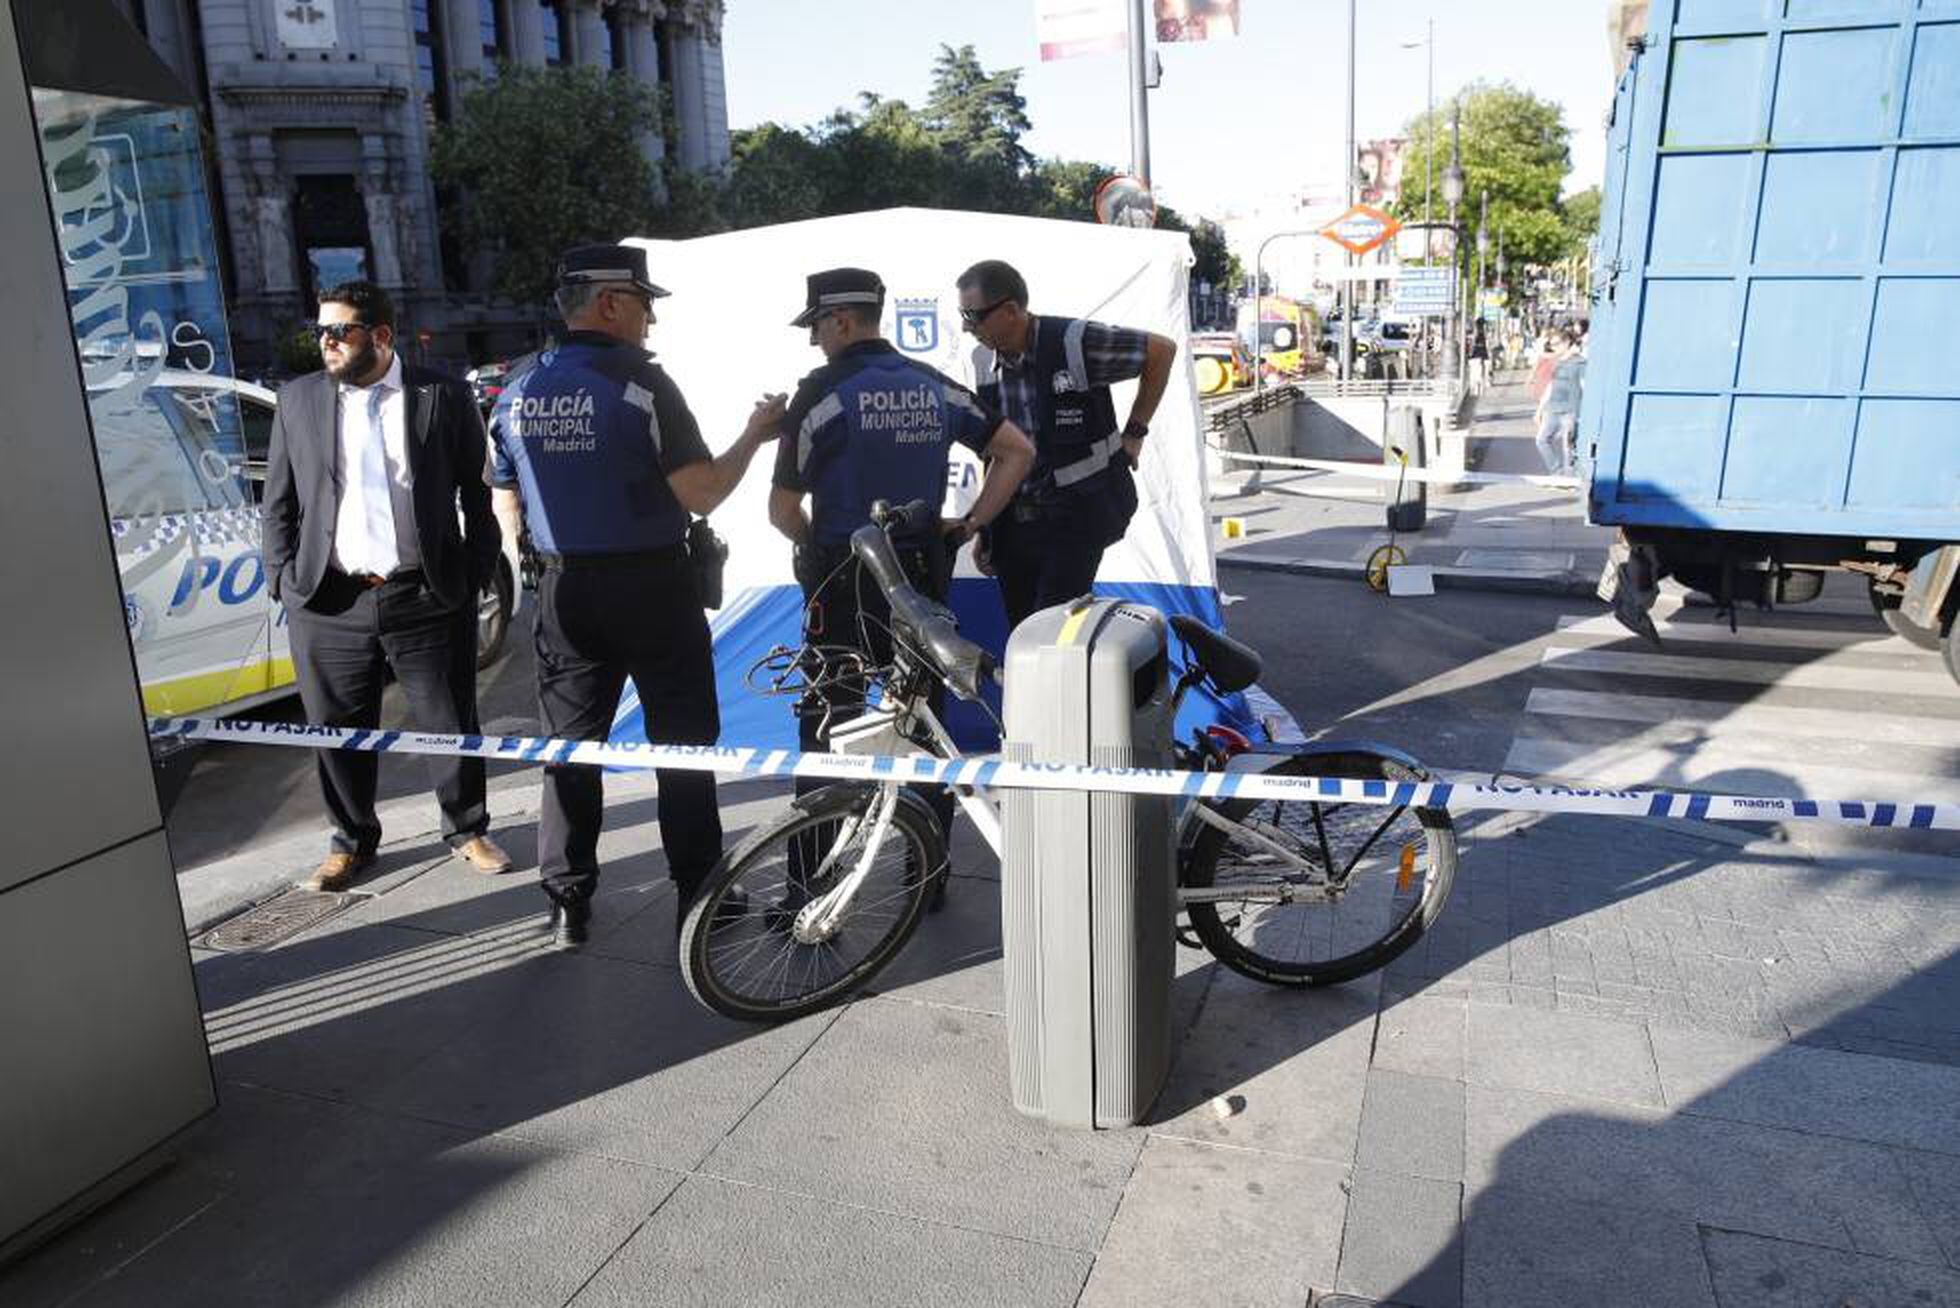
[[808, 908]]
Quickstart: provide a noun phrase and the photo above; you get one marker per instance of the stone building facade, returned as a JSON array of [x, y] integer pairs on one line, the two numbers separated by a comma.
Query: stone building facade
[[320, 115]]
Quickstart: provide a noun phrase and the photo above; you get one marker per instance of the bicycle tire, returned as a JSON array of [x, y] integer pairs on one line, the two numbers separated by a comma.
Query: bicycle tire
[[747, 965], [1393, 912]]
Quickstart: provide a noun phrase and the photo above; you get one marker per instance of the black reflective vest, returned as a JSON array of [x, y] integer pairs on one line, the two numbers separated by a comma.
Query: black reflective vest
[[1076, 439]]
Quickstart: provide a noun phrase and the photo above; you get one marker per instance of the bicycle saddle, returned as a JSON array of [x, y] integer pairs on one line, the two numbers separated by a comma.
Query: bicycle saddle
[[1230, 665]]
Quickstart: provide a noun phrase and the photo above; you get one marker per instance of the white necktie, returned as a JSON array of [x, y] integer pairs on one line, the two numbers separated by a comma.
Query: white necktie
[[377, 508]]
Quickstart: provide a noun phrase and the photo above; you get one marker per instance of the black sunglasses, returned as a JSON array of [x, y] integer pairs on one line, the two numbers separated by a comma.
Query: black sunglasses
[[338, 332], [633, 292], [974, 317]]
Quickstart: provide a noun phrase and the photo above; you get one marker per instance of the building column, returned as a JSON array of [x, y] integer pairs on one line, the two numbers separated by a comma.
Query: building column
[[643, 62], [272, 223], [383, 214], [690, 99], [463, 41], [527, 33], [588, 35]]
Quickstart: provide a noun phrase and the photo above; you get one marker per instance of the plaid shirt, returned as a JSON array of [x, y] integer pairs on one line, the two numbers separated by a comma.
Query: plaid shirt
[[1110, 354]]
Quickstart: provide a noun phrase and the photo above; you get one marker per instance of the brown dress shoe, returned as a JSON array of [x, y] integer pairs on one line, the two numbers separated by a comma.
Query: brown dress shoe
[[338, 869], [484, 854]]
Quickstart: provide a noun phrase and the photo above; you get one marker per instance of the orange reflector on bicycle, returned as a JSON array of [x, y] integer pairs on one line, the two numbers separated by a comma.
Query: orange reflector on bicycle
[[1406, 873]]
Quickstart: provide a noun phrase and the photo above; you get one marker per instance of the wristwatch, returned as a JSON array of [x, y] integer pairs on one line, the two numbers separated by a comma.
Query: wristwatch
[[1135, 430]]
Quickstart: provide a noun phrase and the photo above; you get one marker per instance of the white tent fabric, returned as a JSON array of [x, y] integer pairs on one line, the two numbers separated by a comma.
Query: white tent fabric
[[723, 337]]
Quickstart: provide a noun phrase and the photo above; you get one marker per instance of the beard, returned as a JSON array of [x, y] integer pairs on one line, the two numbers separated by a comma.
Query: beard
[[354, 364]]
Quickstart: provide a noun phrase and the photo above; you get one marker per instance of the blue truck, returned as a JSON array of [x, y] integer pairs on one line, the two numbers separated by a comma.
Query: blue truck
[[1773, 385]]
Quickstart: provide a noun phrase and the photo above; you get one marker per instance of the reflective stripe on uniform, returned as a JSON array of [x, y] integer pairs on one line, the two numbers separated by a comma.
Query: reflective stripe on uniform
[[825, 410], [1099, 456], [1072, 349]]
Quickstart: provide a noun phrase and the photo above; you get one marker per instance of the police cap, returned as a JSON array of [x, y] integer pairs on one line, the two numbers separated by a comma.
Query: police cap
[[837, 288], [587, 265]]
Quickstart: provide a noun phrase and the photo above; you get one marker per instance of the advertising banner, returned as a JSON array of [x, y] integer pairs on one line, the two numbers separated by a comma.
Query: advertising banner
[[1067, 28], [1196, 20]]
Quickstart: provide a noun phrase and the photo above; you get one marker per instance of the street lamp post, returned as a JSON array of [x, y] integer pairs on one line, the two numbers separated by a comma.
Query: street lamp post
[[1348, 169], [1453, 196], [1428, 155], [1139, 96]]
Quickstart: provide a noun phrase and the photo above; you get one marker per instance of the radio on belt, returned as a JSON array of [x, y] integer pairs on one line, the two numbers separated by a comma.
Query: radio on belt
[[1088, 879]]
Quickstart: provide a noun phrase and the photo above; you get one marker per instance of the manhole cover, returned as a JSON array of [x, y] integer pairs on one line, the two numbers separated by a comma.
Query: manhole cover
[[1515, 560], [275, 919]]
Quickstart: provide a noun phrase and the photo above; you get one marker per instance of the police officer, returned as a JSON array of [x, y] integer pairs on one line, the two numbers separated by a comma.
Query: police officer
[[872, 424], [1051, 376], [597, 454]]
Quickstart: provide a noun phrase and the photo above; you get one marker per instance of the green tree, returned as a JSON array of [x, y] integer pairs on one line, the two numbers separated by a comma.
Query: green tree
[[1516, 150], [515, 169], [978, 116]]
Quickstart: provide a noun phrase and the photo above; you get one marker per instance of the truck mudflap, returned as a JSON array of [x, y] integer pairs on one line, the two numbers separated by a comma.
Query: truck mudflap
[[1631, 583]]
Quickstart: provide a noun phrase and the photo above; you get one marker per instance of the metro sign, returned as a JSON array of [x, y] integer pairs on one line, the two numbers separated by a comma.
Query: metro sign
[[1361, 229]]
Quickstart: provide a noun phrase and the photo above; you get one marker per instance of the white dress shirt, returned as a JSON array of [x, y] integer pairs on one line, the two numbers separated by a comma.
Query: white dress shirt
[[364, 537]]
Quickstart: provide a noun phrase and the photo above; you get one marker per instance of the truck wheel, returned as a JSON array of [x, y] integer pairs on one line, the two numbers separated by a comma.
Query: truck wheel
[[1887, 608]]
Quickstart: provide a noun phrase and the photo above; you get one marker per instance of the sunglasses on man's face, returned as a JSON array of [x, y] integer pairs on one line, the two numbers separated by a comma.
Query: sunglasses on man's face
[[338, 332], [633, 293], [974, 317]]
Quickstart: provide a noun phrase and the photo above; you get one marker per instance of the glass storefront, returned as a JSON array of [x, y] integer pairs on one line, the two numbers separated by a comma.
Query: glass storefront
[[126, 183]]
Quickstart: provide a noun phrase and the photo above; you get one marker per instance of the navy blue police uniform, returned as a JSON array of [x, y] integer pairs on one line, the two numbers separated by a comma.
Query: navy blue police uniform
[[871, 424], [1080, 495], [588, 436]]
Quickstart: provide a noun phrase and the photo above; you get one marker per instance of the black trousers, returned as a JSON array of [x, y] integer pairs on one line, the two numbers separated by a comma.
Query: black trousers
[[1043, 561], [843, 606], [343, 639], [600, 620]]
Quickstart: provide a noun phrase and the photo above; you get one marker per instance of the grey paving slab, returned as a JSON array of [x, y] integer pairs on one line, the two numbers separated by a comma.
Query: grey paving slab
[[1204, 1224], [1412, 1125], [1771, 1182], [1422, 1034], [905, 1108], [1749, 1271], [329, 1204], [1404, 1240], [1934, 1180], [718, 1243], [1296, 1059], [604, 1057], [1887, 1100], [953, 959], [1522, 1249], [1563, 1053], [336, 1013]]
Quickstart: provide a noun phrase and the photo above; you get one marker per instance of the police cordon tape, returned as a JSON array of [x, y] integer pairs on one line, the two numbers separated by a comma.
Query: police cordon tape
[[1385, 472], [1000, 774]]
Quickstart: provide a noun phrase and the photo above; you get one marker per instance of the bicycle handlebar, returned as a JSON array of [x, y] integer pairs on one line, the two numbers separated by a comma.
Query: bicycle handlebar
[[963, 665]]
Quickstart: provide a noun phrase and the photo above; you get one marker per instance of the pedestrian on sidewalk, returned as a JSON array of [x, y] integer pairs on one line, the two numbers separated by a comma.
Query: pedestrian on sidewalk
[[369, 461], [1558, 410], [598, 454]]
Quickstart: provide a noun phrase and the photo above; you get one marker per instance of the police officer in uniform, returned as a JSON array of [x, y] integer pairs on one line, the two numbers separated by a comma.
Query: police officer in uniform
[[872, 424], [1051, 376], [598, 456]]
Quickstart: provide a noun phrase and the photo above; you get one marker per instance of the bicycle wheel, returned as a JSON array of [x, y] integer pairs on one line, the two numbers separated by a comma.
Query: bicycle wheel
[[1374, 877], [755, 955]]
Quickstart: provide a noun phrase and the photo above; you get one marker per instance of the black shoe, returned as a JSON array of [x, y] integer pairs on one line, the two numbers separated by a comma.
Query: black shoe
[[570, 923]]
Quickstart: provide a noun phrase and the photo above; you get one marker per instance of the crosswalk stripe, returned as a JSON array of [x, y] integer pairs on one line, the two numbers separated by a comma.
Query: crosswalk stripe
[[1750, 767], [1701, 715], [1821, 674], [1875, 641]]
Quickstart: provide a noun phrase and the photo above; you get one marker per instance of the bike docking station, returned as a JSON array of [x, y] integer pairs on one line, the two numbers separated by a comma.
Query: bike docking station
[[1088, 893]]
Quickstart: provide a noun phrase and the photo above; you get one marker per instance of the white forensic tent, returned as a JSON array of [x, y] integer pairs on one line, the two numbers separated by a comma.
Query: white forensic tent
[[723, 336]]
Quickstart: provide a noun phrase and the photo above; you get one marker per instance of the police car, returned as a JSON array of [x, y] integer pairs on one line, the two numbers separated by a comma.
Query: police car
[[183, 463]]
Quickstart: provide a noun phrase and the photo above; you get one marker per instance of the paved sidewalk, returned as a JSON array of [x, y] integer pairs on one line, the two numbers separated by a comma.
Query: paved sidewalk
[[1502, 537], [1628, 1066]]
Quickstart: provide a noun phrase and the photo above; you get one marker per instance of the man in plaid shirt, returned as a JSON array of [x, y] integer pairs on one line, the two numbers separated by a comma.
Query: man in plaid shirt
[[1051, 377]]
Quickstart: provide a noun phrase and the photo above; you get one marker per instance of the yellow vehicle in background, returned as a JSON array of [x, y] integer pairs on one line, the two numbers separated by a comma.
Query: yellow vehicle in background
[[1219, 363], [1287, 334]]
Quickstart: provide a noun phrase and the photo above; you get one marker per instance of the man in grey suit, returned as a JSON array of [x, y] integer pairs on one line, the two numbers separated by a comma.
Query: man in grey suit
[[369, 463]]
